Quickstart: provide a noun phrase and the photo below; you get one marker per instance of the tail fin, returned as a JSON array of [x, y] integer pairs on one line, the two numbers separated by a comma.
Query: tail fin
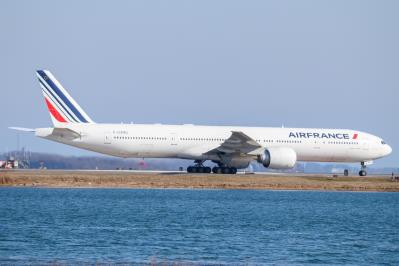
[[62, 107]]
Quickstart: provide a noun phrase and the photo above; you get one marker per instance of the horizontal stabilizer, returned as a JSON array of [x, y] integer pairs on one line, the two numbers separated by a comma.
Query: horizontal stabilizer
[[65, 133], [23, 129], [57, 133]]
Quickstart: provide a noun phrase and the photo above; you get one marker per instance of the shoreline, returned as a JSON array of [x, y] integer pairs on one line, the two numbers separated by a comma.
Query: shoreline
[[176, 180], [195, 188]]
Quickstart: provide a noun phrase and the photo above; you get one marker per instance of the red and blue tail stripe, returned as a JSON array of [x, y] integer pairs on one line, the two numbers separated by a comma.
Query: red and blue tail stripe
[[55, 102], [62, 107]]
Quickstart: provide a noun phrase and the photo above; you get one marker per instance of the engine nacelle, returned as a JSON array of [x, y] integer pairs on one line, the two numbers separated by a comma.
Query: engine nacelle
[[239, 163], [278, 158]]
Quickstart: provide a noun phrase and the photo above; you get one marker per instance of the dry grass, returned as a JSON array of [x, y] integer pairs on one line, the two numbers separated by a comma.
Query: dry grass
[[121, 179]]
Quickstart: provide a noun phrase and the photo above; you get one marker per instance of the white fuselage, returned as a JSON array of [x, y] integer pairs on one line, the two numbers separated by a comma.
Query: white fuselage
[[229, 147], [193, 142]]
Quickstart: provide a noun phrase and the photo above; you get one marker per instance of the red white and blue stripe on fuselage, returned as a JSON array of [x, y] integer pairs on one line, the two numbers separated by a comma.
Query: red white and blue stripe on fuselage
[[62, 107]]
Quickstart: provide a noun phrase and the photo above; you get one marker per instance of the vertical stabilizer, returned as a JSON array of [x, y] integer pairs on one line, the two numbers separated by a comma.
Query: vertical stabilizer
[[62, 107]]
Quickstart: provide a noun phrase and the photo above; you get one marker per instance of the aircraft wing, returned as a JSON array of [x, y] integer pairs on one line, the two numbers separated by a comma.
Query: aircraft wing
[[237, 143]]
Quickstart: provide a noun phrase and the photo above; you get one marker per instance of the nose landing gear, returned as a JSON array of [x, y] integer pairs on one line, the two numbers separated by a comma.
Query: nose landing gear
[[362, 171]]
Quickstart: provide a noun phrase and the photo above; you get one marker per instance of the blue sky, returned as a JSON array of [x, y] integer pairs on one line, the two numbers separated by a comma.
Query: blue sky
[[329, 64]]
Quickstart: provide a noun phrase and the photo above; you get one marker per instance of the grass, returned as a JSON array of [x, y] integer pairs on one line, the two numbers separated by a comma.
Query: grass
[[205, 181]]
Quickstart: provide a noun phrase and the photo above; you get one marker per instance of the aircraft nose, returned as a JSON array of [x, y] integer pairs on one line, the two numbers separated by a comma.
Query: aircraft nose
[[388, 149]]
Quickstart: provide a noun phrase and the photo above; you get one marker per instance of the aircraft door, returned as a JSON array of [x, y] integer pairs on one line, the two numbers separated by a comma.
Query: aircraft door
[[107, 138], [174, 139]]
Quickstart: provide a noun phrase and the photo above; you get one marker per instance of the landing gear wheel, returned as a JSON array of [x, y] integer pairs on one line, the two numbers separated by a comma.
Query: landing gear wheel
[[225, 170], [193, 169], [190, 169], [217, 170], [199, 168], [362, 173]]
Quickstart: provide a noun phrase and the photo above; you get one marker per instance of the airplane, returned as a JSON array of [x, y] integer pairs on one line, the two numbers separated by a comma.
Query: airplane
[[229, 147]]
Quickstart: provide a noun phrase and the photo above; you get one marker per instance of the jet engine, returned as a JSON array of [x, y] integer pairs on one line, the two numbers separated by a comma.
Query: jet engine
[[278, 158]]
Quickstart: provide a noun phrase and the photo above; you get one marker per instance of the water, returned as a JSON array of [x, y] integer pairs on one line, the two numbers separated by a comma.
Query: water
[[72, 226]]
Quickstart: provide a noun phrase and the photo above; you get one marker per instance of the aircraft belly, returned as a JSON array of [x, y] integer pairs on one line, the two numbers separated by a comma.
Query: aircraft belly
[[320, 154]]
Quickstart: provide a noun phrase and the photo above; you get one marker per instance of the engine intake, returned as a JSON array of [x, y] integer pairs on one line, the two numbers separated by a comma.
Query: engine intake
[[278, 158]]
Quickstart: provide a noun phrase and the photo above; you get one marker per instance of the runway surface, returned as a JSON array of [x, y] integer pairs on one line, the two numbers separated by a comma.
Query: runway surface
[[165, 179]]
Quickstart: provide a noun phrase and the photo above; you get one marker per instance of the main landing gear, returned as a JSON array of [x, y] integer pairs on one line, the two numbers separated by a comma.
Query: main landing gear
[[224, 170], [201, 169], [362, 171]]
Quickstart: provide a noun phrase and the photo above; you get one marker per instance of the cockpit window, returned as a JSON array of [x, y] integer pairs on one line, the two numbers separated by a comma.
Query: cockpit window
[[383, 142]]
